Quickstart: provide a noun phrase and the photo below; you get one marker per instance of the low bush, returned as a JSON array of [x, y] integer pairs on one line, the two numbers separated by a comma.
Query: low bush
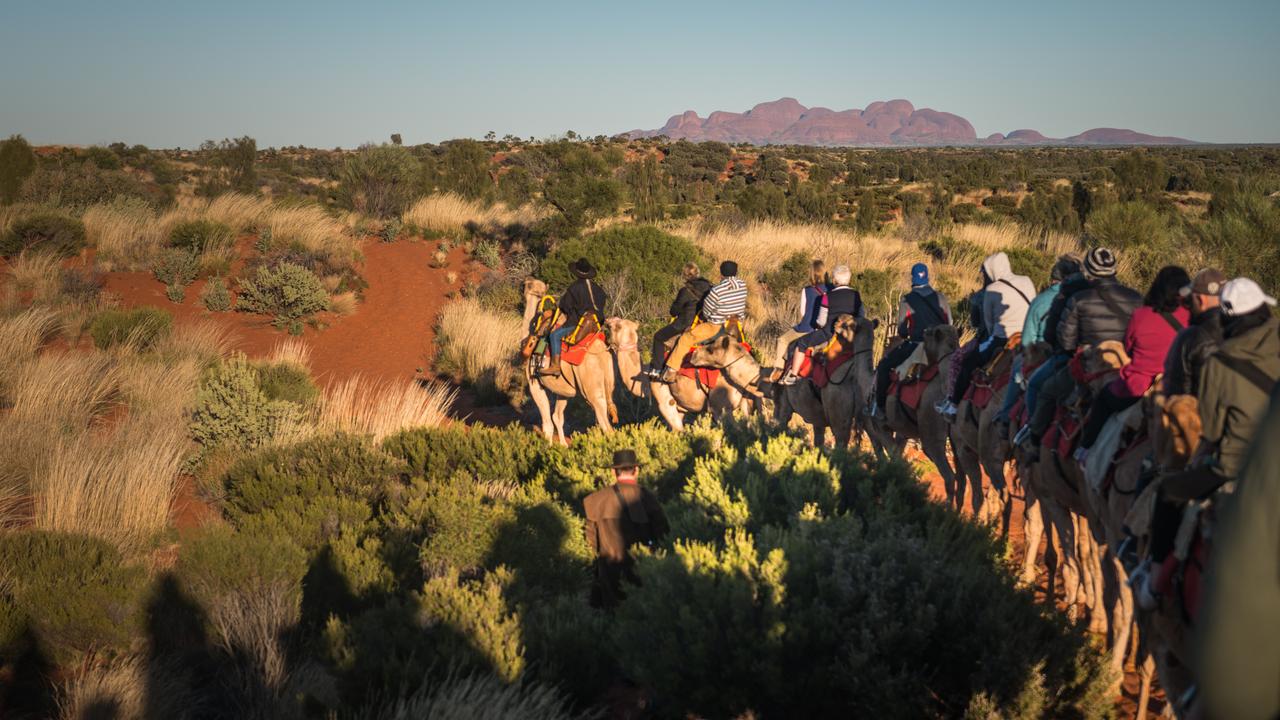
[[46, 232], [176, 267], [201, 235], [793, 273], [290, 293], [215, 296], [231, 410], [287, 381], [1127, 224], [65, 595], [646, 258], [478, 695], [140, 327]]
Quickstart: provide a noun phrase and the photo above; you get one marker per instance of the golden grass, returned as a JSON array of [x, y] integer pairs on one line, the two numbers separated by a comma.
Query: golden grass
[[293, 351], [311, 228], [377, 410], [241, 213], [474, 343], [345, 303], [204, 341], [127, 234], [39, 274], [448, 212]]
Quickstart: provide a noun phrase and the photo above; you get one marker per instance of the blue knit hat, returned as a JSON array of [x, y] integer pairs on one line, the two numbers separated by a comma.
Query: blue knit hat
[[919, 275]]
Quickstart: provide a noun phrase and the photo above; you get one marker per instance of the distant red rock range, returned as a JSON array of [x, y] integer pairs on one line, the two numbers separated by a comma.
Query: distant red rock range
[[896, 122]]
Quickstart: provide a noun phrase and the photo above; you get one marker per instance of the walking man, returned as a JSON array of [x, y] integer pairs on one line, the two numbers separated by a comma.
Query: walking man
[[618, 517]]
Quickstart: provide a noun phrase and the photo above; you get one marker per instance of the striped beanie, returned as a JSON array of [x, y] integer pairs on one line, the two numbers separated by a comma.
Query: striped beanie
[[1100, 262]]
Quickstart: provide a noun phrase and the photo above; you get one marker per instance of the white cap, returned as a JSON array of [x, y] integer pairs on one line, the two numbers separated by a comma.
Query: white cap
[[1242, 296]]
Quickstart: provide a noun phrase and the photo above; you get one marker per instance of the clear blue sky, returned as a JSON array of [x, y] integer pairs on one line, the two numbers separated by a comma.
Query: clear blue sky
[[326, 74]]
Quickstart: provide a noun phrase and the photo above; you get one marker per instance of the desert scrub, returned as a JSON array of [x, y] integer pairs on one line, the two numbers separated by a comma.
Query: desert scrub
[[287, 381], [142, 327], [176, 267], [200, 236], [288, 292], [65, 595], [232, 410], [477, 346], [215, 296], [45, 231]]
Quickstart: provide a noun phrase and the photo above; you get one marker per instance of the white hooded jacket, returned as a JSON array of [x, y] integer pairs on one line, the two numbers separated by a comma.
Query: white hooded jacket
[[1004, 307]]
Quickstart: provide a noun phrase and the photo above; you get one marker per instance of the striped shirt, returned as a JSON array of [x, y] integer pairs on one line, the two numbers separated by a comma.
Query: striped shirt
[[726, 299]]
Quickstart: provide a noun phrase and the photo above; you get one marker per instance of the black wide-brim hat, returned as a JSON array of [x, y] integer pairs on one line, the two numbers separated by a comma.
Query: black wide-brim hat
[[582, 269], [624, 459]]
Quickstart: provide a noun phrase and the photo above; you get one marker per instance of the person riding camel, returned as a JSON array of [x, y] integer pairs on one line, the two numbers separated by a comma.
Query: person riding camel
[[810, 305], [1091, 316], [684, 310], [840, 300], [1193, 346], [727, 300], [920, 309], [1004, 310], [581, 300], [1147, 339], [1033, 332], [1235, 388]]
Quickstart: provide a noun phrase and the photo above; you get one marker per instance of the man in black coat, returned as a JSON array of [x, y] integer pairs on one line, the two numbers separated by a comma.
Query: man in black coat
[[683, 312], [1193, 346], [619, 517], [583, 298]]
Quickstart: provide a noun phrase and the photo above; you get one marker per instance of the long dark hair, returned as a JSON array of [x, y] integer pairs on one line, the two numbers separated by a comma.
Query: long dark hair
[[1164, 294]]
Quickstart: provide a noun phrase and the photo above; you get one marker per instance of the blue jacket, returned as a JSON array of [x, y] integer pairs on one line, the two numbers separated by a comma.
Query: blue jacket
[[810, 306], [1038, 315]]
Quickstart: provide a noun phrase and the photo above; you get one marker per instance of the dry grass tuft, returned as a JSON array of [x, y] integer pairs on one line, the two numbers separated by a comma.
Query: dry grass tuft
[[204, 341], [474, 343], [39, 274], [239, 212], [310, 228], [345, 303], [377, 410], [448, 212], [127, 234], [293, 351]]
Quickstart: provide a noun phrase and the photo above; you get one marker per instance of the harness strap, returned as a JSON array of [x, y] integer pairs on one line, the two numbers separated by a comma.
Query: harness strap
[[1248, 371], [1173, 322]]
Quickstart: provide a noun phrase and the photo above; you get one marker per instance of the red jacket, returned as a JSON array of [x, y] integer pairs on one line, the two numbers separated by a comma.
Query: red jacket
[[1147, 340]]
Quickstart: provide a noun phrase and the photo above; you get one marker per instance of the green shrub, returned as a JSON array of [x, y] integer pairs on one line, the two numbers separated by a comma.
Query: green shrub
[[200, 235], [69, 594], [793, 273], [44, 231], [649, 258], [17, 162], [471, 624], [483, 453], [231, 410], [176, 267], [1031, 262], [142, 327], [285, 381], [215, 295], [379, 180], [286, 291], [175, 293], [964, 213], [1127, 224]]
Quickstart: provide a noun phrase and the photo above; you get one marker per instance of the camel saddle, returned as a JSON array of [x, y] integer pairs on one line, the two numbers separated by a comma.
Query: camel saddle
[[571, 354], [819, 365], [994, 376], [706, 377], [910, 389]]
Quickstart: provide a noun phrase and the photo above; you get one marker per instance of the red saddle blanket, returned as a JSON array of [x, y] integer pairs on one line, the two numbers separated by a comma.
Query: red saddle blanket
[[1062, 434], [576, 353], [707, 377], [910, 391], [981, 390]]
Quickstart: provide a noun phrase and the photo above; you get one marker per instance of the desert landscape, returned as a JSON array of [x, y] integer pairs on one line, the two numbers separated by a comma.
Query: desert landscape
[[288, 431]]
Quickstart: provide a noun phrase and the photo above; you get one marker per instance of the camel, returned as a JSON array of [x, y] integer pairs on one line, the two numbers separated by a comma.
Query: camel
[[593, 380], [900, 424], [979, 451], [843, 401], [676, 400]]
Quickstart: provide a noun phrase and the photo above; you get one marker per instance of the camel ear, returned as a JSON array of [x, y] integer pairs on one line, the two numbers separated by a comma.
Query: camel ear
[[724, 342]]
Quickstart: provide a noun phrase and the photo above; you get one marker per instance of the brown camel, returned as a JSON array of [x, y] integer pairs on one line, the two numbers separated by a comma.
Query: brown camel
[[681, 397], [593, 380], [841, 404], [924, 423], [980, 452]]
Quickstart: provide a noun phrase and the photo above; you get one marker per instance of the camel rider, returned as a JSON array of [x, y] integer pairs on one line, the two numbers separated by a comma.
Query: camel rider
[[728, 299], [1071, 284], [583, 298], [919, 310], [810, 305], [841, 300], [1033, 332], [1193, 346], [1090, 317], [1234, 393], [684, 310], [1005, 301]]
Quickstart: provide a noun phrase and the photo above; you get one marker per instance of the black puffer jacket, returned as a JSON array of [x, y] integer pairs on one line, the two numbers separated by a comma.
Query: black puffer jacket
[[1189, 351], [582, 297], [1098, 314], [1070, 286], [688, 301]]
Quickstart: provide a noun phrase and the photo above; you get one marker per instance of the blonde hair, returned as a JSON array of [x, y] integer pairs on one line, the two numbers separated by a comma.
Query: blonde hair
[[818, 273], [690, 271]]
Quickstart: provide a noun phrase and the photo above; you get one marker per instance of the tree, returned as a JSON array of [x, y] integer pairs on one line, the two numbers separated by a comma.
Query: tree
[[581, 187], [648, 189], [489, 136], [395, 139], [234, 161], [868, 214], [466, 169], [1081, 201], [17, 162]]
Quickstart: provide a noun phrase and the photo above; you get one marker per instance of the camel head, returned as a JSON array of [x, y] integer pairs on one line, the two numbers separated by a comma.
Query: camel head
[[855, 333], [1175, 428], [534, 290], [718, 353], [623, 334], [940, 341]]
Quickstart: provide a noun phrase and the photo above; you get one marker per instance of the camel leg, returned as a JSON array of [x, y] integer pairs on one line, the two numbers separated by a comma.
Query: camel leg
[[600, 405], [1121, 615], [1095, 588], [542, 400], [1070, 560], [936, 450], [842, 430], [819, 433], [557, 418], [1033, 530], [1146, 671]]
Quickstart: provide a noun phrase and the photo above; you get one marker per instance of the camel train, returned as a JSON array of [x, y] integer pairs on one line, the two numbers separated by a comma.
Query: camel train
[[1093, 512]]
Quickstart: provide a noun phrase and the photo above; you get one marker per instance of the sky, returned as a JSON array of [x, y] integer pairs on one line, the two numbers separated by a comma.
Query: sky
[[325, 74]]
